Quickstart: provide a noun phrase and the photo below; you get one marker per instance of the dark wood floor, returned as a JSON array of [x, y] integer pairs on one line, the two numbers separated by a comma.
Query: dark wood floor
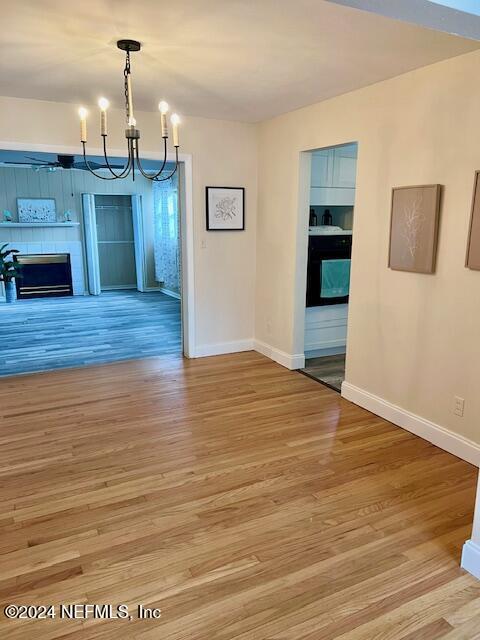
[[53, 333], [327, 369], [246, 501]]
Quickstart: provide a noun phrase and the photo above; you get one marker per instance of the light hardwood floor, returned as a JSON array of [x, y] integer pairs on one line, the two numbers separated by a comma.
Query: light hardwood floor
[[246, 501]]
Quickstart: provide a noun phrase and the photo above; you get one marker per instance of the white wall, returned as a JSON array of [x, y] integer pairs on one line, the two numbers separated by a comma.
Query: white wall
[[476, 522], [412, 339], [223, 154], [471, 549]]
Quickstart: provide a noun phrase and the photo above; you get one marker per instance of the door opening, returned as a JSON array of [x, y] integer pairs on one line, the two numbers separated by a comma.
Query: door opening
[[330, 228], [110, 304]]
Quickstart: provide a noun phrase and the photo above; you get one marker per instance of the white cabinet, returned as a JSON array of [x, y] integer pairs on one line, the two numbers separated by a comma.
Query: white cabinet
[[322, 169], [344, 170], [331, 197], [325, 327], [333, 176]]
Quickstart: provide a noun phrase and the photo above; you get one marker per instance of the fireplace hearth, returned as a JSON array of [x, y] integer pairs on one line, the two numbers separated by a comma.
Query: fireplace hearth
[[44, 276]]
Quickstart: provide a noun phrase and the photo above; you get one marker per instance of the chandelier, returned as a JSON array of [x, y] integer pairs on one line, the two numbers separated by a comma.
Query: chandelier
[[132, 134]]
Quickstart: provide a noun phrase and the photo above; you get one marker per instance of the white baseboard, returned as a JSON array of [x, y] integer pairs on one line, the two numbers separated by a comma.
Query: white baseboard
[[223, 347], [440, 436], [321, 353], [471, 558], [312, 345], [288, 360], [169, 292]]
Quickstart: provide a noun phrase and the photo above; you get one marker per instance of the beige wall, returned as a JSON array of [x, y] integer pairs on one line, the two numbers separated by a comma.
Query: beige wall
[[413, 339], [223, 153]]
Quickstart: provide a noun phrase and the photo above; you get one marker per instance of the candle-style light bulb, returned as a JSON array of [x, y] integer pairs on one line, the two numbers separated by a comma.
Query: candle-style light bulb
[[82, 112], [130, 101], [175, 120], [103, 103], [163, 107]]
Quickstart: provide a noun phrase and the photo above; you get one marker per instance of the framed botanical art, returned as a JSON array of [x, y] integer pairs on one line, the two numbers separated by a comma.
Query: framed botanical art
[[225, 208], [36, 210], [414, 228], [473, 246]]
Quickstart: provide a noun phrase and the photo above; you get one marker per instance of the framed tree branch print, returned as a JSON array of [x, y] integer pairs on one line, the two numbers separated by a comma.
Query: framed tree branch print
[[473, 247], [414, 228], [225, 208]]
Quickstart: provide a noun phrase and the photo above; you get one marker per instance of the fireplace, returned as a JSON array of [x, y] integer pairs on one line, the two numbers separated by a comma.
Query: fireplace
[[44, 275]]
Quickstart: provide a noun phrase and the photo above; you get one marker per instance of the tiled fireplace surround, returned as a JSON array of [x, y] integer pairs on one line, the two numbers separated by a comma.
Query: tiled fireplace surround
[[74, 248]]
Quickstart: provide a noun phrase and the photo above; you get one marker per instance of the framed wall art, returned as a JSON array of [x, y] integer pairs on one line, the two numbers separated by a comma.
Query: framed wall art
[[225, 208], [36, 210], [473, 245], [414, 228]]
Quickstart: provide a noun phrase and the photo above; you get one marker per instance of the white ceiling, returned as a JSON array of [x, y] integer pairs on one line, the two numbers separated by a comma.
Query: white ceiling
[[459, 17], [235, 59]]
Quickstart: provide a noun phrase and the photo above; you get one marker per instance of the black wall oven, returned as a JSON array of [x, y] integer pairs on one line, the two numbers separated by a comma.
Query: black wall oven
[[328, 270]]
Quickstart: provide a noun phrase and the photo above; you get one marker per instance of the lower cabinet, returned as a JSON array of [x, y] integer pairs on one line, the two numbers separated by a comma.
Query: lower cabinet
[[326, 327]]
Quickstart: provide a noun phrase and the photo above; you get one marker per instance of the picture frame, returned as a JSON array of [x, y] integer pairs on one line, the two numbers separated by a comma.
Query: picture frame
[[472, 258], [225, 208], [414, 225], [36, 210]]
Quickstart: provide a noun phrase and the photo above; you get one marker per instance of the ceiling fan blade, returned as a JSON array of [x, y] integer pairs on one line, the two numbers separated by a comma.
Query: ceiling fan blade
[[40, 161], [30, 164], [95, 165]]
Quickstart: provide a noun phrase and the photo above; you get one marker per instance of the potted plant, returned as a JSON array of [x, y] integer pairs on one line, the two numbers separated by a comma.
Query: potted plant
[[9, 270]]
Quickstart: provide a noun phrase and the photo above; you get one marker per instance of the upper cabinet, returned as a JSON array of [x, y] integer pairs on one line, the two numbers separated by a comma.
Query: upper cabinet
[[344, 169], [322, 169], [333, 176]]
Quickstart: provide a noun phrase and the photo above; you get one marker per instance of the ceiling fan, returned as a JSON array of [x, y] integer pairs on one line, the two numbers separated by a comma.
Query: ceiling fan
[[62, 162]]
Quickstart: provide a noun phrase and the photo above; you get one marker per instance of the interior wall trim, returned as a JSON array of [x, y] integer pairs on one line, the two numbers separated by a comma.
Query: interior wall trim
[[288, 360], [220, 348], [440, 436], [167, 292], [313, 345], [471, 558]]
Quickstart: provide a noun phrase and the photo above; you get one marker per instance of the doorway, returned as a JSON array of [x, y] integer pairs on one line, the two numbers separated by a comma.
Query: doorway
[[331, 202], [118, 230], [83, 329], [115, 242]]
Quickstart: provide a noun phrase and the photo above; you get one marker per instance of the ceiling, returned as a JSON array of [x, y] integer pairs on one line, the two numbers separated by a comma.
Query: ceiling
[[244, 60], [459, 17]]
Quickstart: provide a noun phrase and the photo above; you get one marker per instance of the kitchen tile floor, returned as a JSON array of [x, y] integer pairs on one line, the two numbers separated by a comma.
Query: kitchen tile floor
[[328, 369]]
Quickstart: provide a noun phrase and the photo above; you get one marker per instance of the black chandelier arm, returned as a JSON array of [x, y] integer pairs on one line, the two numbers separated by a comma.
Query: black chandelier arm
[[155, 177], [126, 169], [139, 163], [89, 167], [173, 172]]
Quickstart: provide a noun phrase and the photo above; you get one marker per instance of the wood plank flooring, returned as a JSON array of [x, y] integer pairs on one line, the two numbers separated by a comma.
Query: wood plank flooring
[[245, 501], [52, 333]]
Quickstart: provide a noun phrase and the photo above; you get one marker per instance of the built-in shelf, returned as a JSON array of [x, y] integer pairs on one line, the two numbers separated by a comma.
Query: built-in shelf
[[39, 224]]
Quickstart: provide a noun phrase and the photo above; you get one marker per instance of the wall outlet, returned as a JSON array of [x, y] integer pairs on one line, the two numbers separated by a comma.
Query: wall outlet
[[459, 406], [203, 244], [269, 326]]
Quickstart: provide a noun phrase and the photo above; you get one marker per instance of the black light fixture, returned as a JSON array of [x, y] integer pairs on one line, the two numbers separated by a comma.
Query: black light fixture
[[132, 134]]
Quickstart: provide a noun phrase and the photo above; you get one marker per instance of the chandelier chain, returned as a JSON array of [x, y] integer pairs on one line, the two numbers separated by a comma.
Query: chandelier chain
[[126, 73]]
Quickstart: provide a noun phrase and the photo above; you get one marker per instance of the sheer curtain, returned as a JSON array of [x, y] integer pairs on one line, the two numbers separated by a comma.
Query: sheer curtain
[[167, 234]]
